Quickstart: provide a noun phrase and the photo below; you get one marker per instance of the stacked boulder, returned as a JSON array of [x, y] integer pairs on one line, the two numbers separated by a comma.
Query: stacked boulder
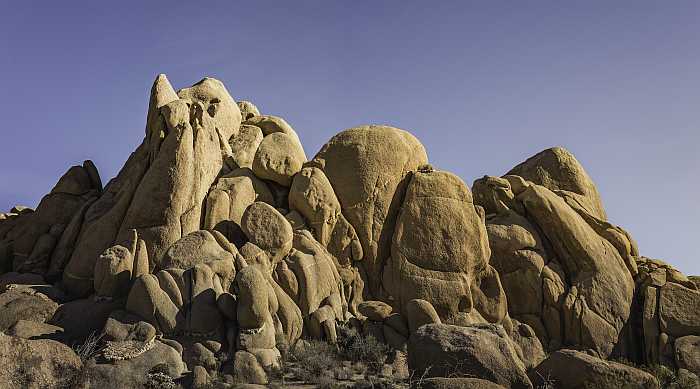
[[39, 241], [160, 190], [577, 279], [255, 338], [367, 169], [182, 297], [565, 270], [670, 315], [219, 245], [440, 252], [384, 324]]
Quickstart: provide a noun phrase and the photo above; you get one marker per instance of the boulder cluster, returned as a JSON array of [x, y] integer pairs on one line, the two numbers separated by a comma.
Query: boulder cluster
[[219, 246]]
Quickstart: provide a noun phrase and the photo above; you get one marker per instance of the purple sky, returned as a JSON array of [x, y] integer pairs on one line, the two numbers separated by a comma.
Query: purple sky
[[482, 85]]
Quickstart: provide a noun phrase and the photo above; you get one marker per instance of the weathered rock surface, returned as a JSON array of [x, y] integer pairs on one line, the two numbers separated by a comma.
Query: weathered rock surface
[[22, 303], [30, 238], [248, 109], [217, 102], [599, 299], [420, 312], [160, 190], [679, 310], [425, 265], [194, 248], [36, 363], [562, 271], [113, 272], [182, 300], [270, 124], [557, 169], [248, 369], [28, 329], [375, 310], [688, 353], [228, 200], [245, 145], [278, 158], [312, 195], [83, 318], [668, 302], [366, 167], [574, 369], [132, 372], [529, 348], [268, 229], [482, 351], [319, 293]]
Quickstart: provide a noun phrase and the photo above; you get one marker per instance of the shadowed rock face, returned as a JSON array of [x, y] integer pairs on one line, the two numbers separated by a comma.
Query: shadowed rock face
[[36, 362], [38, 240], [218, 248], [574, 369], [440, 350]]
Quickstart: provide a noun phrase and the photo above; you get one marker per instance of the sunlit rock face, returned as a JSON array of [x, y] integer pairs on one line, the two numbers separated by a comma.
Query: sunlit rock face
[[220, 252]]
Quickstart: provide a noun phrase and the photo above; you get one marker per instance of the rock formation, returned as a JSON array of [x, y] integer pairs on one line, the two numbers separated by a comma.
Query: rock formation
[[219, 247], [576, 289]]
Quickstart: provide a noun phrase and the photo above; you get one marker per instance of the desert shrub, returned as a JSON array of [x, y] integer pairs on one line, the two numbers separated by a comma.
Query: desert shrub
[[314, 359], [325, 364], [327, 382], [90, 347], [670, 379], [378, 384], [221, 358], [219, 380], [159, 380], [546, 382], [356, 347], [416, 381]]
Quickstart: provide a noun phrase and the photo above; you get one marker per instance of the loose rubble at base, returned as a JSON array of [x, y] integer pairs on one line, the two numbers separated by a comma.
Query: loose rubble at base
[[220, 251]]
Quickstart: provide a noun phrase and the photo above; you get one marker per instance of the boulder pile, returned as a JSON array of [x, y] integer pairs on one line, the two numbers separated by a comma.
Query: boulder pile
[[219, 246]]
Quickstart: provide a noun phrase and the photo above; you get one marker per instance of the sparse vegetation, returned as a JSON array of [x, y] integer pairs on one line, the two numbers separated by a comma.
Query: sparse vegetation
[[546, 382], [668, 378], [355, 361], [359, 348], [159, 380], [671, 379], [90, 347], [314, 360], [415, 381]]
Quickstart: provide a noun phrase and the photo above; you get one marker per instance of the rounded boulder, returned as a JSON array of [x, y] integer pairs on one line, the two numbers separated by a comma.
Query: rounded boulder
[[194, 248], [367, 167], [278, 158], [268, 229]]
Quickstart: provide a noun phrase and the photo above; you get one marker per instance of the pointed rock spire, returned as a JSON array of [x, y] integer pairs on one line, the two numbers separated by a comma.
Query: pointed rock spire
[[161, 93]]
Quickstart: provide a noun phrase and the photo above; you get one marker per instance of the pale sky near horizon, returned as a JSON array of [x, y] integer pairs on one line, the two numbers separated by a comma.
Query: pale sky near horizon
[[483, 85]]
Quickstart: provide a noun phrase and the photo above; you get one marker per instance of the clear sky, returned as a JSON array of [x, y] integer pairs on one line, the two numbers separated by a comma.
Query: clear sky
[[483, 85]]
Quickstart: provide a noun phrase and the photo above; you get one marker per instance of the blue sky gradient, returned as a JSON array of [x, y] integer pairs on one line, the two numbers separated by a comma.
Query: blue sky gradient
[[483, 85]]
